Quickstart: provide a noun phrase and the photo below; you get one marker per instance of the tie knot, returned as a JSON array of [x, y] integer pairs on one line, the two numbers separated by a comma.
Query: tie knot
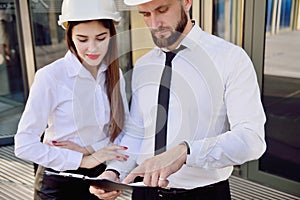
[[171, 54], [182, 47]]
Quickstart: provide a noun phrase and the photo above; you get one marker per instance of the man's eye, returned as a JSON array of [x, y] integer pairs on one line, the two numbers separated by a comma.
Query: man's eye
[[146, 14], [163, 10]]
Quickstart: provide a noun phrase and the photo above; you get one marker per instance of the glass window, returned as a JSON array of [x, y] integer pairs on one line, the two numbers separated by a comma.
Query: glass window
[[11, 75], [49, 38], [228, 20], [124, 45], [285, 14], [281, 98], [123, 31], [269, 15], [219, 18]]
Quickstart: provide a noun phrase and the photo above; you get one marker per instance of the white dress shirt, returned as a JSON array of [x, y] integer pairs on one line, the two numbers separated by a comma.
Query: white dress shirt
[[214, 105], [68, 104]]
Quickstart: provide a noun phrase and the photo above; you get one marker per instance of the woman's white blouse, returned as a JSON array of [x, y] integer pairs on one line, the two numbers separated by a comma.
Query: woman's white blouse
[[68, 104]]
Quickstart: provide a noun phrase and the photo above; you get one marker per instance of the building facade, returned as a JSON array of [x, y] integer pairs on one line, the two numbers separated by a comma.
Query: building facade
[[269, 31]]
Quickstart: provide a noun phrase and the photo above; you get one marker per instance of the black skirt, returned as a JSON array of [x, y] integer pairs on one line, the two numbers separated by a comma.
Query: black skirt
[[52, 187]]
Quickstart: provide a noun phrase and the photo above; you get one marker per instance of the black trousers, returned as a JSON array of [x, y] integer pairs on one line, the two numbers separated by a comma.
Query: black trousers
[[52, 187], [217, 191]]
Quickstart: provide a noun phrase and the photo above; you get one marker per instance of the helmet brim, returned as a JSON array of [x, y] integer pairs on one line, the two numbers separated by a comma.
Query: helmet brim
[[135, 2]]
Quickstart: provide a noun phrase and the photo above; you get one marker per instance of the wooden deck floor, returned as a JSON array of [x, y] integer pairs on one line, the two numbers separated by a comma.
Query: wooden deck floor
[[16, 182]]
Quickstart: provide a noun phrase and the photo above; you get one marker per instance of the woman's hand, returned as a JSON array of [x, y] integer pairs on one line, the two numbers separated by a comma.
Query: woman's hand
[[102, 194], [102, 155], [90, 158], [72, 146]]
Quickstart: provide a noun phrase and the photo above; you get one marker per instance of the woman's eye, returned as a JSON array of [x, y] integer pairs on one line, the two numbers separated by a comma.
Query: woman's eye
[[82, 40], [101, 39]]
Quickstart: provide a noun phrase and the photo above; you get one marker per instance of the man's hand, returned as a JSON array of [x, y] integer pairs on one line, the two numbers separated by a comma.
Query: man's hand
[[102, 194], [157, 169]]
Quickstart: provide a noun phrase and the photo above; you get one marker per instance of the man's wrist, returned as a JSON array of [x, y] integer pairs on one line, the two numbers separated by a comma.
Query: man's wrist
[[114, 171], [188, 151], [187, 148]]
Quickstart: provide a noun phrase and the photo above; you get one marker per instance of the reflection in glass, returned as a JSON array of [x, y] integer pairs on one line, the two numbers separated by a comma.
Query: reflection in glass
[[11, 73], [228, 20], [49, 38], [123, 37], [269, 15], [285, 13], [219, 18], [281, 98], [11, 81]]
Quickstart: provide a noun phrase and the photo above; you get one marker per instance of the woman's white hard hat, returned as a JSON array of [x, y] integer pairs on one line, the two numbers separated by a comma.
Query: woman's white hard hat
[[82, 10], [135, 2]]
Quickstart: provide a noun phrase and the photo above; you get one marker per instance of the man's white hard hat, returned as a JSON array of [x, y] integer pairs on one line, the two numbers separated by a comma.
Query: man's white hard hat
[[82, 10], [135, 2]]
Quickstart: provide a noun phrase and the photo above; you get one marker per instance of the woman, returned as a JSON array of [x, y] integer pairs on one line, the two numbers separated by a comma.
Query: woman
[[78, 101]]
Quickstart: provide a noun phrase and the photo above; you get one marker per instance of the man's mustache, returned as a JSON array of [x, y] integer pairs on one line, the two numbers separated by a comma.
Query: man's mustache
[[160, 29]]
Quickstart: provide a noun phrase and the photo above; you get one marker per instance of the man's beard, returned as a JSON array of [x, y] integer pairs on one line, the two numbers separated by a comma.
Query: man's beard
[[168, 41]]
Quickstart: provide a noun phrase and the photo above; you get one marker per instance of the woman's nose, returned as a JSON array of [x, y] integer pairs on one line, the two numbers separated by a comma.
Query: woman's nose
[[92, 46]]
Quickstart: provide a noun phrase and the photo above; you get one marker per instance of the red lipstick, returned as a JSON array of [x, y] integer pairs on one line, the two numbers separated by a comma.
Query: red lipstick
[[93, 56]]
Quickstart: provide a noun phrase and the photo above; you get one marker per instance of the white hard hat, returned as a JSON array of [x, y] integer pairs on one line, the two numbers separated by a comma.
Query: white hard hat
[[135, 2], [82, 10]]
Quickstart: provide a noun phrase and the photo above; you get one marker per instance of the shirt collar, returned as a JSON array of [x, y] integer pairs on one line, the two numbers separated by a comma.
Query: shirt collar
[[189, 41], [75, 68]]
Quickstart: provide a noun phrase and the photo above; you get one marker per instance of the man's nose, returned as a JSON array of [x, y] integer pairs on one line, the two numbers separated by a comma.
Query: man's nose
[[155, 21]]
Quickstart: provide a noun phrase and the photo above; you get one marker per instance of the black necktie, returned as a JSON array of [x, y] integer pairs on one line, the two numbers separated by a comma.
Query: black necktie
[[163, 103]]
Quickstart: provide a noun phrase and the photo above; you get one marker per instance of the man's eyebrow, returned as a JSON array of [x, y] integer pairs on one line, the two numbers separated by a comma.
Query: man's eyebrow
[[142, 12], [159, 7]]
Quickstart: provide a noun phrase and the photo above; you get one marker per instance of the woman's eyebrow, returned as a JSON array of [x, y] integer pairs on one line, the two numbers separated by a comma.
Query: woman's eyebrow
[[80, 35]]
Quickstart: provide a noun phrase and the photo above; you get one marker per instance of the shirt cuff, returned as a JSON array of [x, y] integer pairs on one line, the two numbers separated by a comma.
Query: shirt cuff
[[72, 161], [199, 151]]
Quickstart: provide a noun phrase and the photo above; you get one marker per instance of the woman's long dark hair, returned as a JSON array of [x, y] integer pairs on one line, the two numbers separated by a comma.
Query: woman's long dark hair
[[117, 113]]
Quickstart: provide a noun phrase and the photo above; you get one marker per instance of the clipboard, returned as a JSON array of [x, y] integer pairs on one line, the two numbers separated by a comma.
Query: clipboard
[[106, 184]]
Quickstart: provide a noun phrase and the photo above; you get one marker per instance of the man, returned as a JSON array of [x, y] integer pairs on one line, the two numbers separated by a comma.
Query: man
[[214, 118]]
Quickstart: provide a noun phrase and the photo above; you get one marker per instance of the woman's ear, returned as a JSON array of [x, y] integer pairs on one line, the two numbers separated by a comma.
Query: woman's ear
[[187, 4]]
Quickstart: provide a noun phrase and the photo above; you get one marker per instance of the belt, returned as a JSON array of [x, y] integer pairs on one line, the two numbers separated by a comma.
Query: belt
[[178, 192]]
